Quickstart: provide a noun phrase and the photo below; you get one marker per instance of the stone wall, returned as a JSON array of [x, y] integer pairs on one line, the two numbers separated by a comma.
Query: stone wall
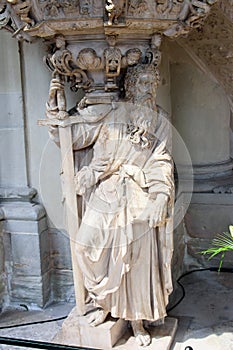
[[201, 113], [208, 215], [25, 257], [2, 264]]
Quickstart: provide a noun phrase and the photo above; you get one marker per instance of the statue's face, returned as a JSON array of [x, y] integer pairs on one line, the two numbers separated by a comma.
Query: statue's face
[[89, 59], [133, 58], [60, 42], [146, 85]]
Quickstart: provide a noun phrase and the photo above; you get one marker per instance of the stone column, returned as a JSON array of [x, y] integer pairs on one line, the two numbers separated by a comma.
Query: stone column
[[25, 234]]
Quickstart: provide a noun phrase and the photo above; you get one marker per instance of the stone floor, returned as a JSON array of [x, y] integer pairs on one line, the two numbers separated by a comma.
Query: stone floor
[[205, 316]]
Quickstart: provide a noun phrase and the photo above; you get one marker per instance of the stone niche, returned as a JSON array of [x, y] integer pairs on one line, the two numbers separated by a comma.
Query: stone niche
[[89, 47], [82, 39]]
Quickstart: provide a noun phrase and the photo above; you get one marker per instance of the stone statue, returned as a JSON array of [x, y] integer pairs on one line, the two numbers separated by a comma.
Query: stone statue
[[124, 243]]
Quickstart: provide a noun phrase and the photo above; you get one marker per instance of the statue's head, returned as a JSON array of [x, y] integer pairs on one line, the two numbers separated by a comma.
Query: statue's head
[[133, 56], [141, 83], [60, 41]]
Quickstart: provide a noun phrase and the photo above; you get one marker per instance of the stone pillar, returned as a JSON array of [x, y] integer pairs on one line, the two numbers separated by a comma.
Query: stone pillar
[[25, 234], [27, 249], [44, 167]]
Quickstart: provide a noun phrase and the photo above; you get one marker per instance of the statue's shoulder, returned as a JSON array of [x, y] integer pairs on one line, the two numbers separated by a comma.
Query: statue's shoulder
[[94, 113], [162, 113]]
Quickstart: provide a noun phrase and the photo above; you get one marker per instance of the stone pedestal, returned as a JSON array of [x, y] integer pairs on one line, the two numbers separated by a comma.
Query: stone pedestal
[[162, 337], [26, 247], [112, 334], [76, 331]]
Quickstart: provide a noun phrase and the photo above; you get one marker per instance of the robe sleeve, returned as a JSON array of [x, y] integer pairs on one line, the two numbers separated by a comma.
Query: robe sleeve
[[158, 169], [83, 134]]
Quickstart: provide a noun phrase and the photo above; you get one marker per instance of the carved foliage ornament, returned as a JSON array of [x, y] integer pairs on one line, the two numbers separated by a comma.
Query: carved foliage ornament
[[77, 69], [213, 45]]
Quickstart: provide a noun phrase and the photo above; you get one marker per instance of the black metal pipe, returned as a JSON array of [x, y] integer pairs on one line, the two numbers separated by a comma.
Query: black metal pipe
[[39, 345]]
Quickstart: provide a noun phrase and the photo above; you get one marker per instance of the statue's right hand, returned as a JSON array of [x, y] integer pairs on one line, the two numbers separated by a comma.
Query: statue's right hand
[[158, 212]]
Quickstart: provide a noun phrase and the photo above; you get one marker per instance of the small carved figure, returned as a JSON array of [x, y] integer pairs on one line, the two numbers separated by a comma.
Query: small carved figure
[[56, 105], [85, 7], [131, 58], [111, 40], [70, 5], [137, 7], [164, 6], [52, 9], [153, 54], [61, 57], [112, 57], [22, 9], [112, 60], [114, 9]]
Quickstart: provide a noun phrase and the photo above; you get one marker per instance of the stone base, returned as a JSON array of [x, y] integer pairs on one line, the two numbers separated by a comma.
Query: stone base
[[77, 332], [112, 334], [162, 337]]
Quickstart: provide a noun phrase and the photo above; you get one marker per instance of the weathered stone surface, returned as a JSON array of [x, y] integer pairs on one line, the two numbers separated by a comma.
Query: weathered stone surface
[[76, 331], [2, 264], [32, 290], [179, 251], [26, 226], [27, 252], [203, 44], [208, 215], [23, 211], [27, 289], [191, 95], [17, 193], [62, 285], [162, 337], [60, 250], [196, 246], [45, 259]]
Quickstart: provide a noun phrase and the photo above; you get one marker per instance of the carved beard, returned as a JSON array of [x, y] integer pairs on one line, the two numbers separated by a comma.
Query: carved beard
[[147, 100], [141, 130]]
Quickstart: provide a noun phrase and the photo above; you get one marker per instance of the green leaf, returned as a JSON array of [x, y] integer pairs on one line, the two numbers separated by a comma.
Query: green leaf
[[220, 263], [222, 243], [231, 230]]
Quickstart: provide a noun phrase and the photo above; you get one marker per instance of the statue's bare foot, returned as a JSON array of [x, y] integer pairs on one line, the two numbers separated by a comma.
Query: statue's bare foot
[[142, 337], [159, 322], [97, 317]]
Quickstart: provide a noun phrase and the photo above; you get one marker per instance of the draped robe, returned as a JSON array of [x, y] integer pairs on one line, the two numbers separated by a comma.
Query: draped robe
[[126, 264]]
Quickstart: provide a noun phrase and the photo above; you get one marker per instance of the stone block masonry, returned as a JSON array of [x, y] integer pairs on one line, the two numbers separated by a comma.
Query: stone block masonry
[[27, 252]]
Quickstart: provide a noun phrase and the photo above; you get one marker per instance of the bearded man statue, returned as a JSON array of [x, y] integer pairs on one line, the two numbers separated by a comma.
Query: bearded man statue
[[125, 243]]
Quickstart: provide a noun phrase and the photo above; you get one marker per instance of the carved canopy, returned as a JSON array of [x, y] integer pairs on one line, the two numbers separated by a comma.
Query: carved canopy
[[43, 18]]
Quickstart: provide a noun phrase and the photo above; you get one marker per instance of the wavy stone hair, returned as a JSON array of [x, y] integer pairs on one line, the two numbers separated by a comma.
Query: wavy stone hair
[[133, 74]]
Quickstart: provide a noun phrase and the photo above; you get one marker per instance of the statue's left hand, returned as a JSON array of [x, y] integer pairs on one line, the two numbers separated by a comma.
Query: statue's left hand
[[84, 179], [157, 213]]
